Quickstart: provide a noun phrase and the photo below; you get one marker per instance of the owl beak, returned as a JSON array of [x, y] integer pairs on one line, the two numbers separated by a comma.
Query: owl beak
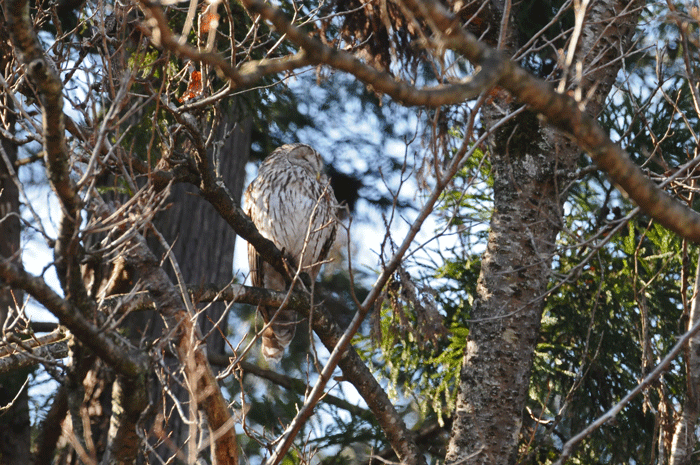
[[318, 176]]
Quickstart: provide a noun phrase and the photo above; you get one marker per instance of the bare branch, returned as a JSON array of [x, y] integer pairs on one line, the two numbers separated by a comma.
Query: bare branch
[[43, 349], [44, 75], [300, 387], [383, 82], [663, 365], [115, 354]]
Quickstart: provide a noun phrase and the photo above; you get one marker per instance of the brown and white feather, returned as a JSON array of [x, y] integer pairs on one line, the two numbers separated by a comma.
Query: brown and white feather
[[293, 205]]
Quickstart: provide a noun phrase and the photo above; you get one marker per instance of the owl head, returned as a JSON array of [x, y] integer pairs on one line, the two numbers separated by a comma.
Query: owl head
[[301, 155]]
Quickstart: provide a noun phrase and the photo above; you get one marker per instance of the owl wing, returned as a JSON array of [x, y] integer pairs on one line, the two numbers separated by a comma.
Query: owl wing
[[254, 259], [255, 262], [278, 335], [328, 243]]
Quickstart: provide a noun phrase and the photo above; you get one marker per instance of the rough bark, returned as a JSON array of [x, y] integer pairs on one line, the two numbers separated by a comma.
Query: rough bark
[[513, 279], [14, 422], [129, 400], [529, 166], [684, 436]]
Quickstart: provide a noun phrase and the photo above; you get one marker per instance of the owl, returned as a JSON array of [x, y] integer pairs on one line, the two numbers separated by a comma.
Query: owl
[[292, 204]]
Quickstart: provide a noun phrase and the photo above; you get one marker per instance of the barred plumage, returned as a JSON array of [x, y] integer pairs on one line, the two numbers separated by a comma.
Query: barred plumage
[[292, 204]]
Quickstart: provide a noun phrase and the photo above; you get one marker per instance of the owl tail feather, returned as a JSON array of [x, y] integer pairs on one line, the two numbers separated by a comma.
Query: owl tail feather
[[271, 349], [278, 336]]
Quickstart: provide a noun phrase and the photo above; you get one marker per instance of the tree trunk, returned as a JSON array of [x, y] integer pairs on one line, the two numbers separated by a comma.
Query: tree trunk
[[684, 436], [199, 237], [530, 164], [203, 244], [14, 422]]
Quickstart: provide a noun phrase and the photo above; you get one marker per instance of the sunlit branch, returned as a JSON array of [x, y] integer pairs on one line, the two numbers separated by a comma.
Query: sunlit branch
[[46, 352], [402, 92], [314, 52], [662, 367], [117, 356]]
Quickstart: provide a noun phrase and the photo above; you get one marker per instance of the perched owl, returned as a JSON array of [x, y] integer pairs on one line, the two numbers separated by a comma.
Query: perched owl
[[292, 204]]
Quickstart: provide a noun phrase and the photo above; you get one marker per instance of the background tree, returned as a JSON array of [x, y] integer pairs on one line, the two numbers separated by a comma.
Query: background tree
[[14, 398]]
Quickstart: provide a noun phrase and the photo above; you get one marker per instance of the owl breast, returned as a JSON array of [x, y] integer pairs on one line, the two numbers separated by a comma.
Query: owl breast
[[294, 211]]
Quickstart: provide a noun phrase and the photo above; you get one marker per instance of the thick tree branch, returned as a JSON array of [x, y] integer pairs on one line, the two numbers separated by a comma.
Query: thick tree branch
[[315, 53], [50, 430], [22, 359], [117, 356], [32, 351], [72, 311], [43, 74], [129, 400], [563, 112], [402, 92]]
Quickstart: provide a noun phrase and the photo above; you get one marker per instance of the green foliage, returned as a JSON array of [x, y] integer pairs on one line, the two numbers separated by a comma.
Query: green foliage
[[424, 370], [421, 362], [614, 311], [427, 375], [603, 329], [611, 314]]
